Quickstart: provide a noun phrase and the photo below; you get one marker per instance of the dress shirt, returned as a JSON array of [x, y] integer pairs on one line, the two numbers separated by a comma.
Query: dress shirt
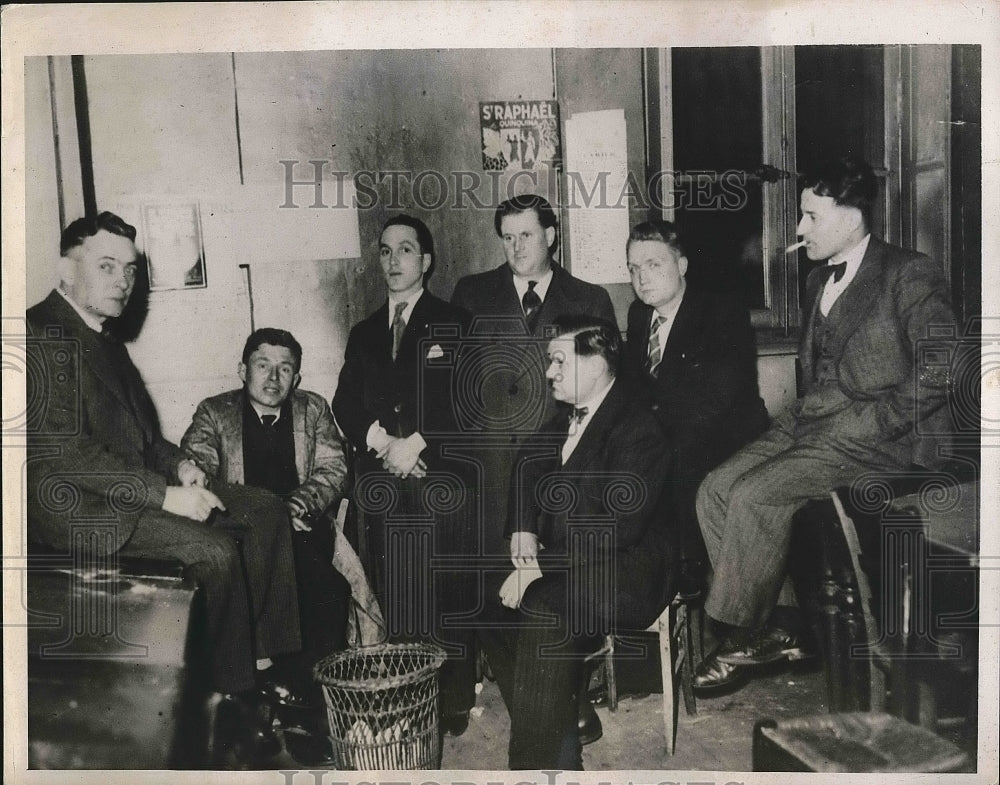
[[260, 414], [576, 430], [378, 437], [94, 323], [541, 285], [668, 321], [833, 289], [408, 310]]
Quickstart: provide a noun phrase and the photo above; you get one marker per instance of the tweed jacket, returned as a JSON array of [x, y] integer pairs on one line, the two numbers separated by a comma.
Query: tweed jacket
[[895, 299], [93, 434]]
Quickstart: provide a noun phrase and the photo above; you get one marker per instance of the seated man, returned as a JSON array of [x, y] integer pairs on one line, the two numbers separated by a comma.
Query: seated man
[[269, 434], [693, 352], [94, 444], [867, 386], [588, 541]]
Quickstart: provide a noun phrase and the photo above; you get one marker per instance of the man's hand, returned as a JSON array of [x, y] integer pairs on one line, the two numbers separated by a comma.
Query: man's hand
[[298, 513], [512, 591], [191, 502], [190, 474], [401, 457], [523, 548]]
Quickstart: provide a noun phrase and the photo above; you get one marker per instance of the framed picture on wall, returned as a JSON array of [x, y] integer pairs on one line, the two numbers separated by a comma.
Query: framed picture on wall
[[174, 245]]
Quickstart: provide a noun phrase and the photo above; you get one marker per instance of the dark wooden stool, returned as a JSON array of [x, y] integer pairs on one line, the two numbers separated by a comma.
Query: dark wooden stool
[[852, 742]]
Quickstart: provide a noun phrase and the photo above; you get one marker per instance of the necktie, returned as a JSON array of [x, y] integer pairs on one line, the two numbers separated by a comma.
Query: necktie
[[532, 304], [579, 412], [655, 350], [268, 420], [836, 270], [398, 326]]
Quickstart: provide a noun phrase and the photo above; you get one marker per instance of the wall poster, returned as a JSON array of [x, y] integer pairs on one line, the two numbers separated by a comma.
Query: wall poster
[[519, 134], [174, 246]]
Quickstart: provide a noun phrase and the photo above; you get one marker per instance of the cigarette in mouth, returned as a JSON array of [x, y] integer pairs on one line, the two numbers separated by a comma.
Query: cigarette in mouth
[[795, 247]]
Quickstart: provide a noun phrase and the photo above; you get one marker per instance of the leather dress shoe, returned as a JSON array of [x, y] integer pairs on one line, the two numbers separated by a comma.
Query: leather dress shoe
[[713, 674], [588, 726], [281, 695], [454, 723], [308, 749], [769, 644]]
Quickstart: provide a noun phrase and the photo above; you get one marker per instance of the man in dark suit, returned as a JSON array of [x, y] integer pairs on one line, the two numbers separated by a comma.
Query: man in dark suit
[[588, 540], [867, 387], [693, 352], [95, 451], [270, 434], [416, 504], [513, 308]]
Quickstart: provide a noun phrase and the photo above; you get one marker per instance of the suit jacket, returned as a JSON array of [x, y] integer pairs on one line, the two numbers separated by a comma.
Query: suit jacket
[[513, 393], [413, 393], [504, 369], [91, 423], [617, 477], [215, 441], [895, 297], [705, 394]]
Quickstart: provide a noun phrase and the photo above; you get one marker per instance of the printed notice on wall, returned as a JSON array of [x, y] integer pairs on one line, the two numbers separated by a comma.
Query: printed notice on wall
[[519, 134], [596, 196]]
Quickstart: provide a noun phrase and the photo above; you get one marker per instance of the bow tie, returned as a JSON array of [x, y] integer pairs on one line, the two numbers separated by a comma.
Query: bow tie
[[836, 270], [579, 412]]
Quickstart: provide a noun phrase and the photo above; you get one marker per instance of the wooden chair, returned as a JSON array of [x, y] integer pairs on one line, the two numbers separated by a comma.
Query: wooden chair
[[679, 628]]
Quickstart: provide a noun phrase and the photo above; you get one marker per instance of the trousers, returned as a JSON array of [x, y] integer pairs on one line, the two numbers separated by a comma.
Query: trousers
[[745, 507], [242, 560]]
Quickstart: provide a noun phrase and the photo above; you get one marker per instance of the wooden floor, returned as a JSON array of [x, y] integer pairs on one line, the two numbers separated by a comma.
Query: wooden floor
[[718, 738]]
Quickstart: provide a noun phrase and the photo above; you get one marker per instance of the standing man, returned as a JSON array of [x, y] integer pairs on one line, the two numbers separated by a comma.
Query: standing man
[[588, 540], [866, 389], [693, 352], [270, 434], [96, 432], [415, 502], [513, 308]]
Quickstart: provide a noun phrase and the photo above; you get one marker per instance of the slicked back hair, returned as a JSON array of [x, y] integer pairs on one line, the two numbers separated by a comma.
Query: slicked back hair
[[849, 180], [82, 228], [592, 335]]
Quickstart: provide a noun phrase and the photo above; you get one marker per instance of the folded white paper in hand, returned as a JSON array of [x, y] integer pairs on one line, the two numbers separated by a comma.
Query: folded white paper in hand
[[512, 591]]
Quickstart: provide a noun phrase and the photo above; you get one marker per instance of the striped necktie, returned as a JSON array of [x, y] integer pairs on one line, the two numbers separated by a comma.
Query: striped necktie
[[655, 350]]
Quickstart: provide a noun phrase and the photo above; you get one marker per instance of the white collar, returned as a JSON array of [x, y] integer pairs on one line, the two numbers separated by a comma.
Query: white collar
[[853, 256], [93, 322], [675, 306], [595, 401], [410, 301], [541, 284]]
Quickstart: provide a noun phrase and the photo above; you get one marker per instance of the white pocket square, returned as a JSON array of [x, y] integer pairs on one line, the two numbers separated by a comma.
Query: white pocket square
[[435, 352]]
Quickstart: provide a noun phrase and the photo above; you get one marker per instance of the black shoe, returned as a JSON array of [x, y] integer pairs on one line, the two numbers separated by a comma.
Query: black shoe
[[308, 749], [714, 674], [770, 644], [242, 735], [455, 723], [281, 695], [589, 726]]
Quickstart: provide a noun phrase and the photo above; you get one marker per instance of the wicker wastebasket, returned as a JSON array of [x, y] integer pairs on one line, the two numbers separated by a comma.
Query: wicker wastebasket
[[381, 702]]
